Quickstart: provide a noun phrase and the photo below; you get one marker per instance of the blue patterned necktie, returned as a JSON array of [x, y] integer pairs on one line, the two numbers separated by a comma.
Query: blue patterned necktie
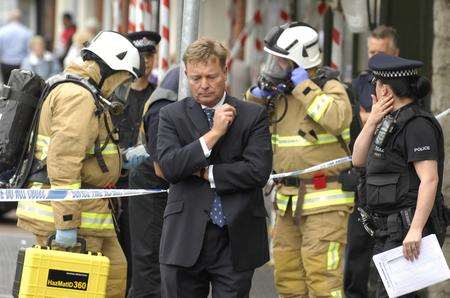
[[216, 213]]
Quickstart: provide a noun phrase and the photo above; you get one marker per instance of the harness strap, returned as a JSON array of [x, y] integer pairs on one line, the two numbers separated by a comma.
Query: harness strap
[[99, 156]]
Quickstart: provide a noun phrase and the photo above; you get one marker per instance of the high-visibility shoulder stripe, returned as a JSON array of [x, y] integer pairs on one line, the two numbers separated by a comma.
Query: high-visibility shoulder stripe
[[318, 106]]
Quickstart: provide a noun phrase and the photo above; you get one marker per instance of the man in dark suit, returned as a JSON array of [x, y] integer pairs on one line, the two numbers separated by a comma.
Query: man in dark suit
[[216, 153]]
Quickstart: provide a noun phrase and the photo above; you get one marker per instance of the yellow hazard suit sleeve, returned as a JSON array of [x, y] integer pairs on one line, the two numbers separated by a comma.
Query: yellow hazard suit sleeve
[[330, 107], [73, 131]]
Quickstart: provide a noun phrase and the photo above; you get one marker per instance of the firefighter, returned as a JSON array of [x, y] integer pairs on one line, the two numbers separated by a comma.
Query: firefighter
[[311, 114], [75, 149]]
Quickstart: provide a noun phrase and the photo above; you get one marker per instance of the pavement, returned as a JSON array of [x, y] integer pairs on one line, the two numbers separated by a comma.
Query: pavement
[[13, 238]]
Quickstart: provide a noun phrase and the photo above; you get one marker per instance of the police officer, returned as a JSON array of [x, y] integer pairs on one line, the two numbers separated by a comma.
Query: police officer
[[401, 147], [149, 209], [310, 125], [128, 124], [382, 39]]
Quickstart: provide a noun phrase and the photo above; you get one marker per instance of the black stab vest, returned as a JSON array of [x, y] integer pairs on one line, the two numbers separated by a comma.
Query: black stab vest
[[388, 187]]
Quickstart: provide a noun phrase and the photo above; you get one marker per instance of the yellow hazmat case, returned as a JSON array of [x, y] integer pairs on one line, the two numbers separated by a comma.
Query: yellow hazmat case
[[46, 273]]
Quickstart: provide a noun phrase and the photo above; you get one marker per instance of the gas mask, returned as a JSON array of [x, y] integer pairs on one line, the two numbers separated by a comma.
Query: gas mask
[[118, 98], [275, 74], [275, 78]]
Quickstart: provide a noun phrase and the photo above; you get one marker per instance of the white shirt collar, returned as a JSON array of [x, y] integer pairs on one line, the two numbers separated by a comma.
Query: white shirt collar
[[220, 103]]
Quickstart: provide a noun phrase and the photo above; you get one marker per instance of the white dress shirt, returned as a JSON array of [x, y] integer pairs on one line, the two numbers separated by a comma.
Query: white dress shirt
[[205, 148]]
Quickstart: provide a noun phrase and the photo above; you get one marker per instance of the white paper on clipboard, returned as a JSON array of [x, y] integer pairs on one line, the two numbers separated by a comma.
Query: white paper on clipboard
[[401, 276]]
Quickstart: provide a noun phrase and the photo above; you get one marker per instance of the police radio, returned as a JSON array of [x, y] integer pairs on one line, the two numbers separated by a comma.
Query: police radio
[[384, 131]]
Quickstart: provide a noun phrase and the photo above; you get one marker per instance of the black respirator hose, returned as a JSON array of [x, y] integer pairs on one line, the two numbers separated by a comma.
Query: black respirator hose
[[271, 106]]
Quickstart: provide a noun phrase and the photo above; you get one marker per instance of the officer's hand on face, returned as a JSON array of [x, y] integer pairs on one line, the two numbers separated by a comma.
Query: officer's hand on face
[[66, 238], [411, 244], [380, 108], [223, 117], [299, 75], [134, 156]]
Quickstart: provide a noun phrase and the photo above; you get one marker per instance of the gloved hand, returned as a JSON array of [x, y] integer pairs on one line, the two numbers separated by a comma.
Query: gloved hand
[[66, 238], [255, 91], [299, 75], [133, 156]]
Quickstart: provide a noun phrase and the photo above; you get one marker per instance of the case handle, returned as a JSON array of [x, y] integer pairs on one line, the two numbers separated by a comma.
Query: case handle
[[80, 240]]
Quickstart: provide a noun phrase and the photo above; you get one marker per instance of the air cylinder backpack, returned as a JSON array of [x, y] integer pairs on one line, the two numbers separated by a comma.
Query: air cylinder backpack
[[20, 106]]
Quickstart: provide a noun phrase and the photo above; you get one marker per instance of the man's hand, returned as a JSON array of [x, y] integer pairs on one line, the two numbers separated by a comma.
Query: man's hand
[[223, 117]]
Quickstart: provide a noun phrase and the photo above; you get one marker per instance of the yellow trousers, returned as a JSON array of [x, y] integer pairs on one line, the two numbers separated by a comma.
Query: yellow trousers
[[109, 247], [309, 257]]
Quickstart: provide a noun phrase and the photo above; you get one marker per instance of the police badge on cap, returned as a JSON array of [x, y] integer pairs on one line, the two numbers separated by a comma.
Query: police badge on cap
[[145, 41], [391, 67]]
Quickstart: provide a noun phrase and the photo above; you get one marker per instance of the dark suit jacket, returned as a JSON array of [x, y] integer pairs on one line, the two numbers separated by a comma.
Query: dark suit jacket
[[242, 161]]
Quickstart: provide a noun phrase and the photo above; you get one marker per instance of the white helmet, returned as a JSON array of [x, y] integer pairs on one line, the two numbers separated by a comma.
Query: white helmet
[[116, 51], [295, 41]]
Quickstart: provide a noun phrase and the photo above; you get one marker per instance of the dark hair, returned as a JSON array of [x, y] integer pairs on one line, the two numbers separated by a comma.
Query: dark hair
[[382, 32], [415, 87], [67, 16]]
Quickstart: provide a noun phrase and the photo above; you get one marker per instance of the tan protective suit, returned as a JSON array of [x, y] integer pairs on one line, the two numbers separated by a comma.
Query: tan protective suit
[[308, 251], [68, 130]]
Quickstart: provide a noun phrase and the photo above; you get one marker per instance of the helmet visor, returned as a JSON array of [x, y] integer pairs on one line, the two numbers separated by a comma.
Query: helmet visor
[[277, 69], [121, 93]]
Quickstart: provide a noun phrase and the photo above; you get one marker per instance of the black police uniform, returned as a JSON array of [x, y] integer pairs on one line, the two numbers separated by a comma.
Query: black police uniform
[[128, 125], [358, 252], [147, 212], [405, 136]]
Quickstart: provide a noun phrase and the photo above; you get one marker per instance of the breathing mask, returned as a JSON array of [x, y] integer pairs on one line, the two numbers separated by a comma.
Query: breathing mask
[[275, 78], [119, 98], [275, 74]]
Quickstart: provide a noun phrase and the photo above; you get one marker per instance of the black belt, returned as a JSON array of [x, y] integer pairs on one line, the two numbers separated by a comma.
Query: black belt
[[295, 181]]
